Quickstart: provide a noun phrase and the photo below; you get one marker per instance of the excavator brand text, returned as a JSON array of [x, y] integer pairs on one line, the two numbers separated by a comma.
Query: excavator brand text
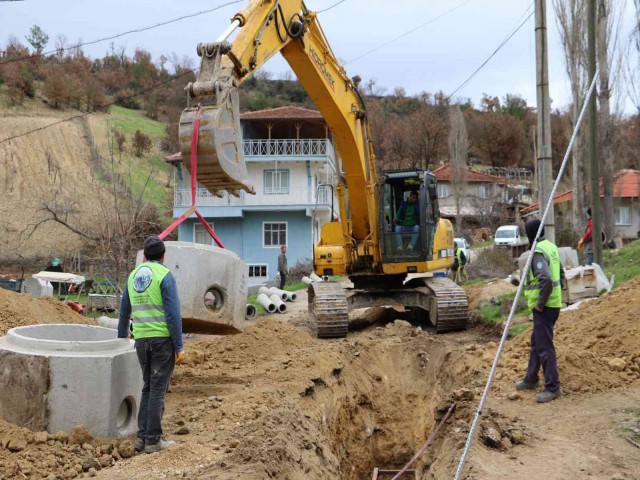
[[323, 69]]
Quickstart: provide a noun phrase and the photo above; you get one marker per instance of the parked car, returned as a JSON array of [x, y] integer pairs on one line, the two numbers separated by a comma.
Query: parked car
[[509, 236], [466, 248]]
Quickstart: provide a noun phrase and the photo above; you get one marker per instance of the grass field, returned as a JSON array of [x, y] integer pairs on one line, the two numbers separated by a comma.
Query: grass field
[[623, 263], [131, 120]]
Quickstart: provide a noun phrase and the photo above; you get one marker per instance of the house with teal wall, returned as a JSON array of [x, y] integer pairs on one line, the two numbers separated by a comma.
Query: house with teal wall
[[291, 164]]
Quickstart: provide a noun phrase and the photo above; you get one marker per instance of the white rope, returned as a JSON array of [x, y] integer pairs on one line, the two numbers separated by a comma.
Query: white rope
[[505, 333]]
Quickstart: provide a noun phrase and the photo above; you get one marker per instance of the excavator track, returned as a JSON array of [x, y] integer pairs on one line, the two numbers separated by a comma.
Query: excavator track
[[328, 310], [448, 306]]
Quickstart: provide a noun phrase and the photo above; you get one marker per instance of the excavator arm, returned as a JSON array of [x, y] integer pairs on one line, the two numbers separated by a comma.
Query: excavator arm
[[266, 28]]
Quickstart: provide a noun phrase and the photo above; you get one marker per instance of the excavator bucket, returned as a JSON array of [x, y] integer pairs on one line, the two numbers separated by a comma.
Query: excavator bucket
[[220, 159], [220, 156]]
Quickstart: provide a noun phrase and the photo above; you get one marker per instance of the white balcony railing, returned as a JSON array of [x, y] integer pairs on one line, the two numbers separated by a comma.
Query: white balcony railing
[[293, 196], [287, 148]]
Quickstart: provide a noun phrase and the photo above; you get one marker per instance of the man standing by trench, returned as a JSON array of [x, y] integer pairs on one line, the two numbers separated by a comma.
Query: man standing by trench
[[150, 299], [543, 291], [283, 268]]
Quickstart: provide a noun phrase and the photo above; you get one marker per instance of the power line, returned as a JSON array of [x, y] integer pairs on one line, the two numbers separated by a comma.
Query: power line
[[408, 32], [103, 107], [331, 6], [499, 47], [128, 32]]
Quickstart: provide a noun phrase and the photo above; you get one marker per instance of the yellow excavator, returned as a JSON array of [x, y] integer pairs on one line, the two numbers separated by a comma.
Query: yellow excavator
[[372, 242]]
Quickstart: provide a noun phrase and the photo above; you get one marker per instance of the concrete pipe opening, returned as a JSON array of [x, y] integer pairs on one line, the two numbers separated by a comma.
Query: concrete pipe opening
[[250, 313], [214, 299], [125, 414]]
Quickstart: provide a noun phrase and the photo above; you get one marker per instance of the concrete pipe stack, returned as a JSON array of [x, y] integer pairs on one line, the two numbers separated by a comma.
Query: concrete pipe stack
[[277, 301]]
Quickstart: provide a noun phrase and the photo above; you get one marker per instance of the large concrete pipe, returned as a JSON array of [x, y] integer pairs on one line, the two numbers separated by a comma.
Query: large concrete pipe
[[291, 296], [307, 280], [276, 291], [314, 277], [277, 301], [250, 313], [268, 305]]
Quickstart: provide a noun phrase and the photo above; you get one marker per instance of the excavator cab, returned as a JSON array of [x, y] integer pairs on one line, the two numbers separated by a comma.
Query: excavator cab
[[409, 215]]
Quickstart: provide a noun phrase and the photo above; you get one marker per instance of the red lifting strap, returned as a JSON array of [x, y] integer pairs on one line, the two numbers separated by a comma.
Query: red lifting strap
[[194, 166]]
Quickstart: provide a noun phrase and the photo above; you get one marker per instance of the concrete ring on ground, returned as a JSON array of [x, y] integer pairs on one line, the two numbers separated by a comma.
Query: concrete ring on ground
[[70, 375]]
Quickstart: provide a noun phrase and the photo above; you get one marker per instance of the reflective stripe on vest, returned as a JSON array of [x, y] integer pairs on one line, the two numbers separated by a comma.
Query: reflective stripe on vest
[[532, 287], [145, 295]]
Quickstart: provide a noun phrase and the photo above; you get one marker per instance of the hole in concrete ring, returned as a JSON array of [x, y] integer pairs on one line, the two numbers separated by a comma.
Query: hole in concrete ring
[[214, 299], [125, 413]]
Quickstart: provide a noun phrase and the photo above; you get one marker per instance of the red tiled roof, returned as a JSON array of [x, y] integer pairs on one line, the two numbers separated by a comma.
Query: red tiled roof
[[174, 157], [560, 198], [625, 185], [282, 112], [443, 174]]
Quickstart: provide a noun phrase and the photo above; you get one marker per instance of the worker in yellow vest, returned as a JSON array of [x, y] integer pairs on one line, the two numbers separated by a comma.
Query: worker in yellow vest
[[543, 291], [150, 300]]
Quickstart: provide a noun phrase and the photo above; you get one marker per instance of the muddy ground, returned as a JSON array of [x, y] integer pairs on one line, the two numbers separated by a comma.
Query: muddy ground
[[275, 403]]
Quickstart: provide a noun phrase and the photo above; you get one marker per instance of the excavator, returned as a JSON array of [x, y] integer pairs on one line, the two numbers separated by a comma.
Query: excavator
[[369, 242]]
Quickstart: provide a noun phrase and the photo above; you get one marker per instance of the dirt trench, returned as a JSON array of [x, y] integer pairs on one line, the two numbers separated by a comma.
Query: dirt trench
[[275, 403]]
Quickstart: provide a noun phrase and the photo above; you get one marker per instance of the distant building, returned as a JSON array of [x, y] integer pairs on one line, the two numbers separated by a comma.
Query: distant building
[[626, 203], [291, 164]]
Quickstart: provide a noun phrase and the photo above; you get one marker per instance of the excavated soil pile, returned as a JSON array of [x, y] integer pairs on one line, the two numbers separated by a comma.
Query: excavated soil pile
[[275, 403], [39, 455], [19, 309], [479, 296], [598, 345]]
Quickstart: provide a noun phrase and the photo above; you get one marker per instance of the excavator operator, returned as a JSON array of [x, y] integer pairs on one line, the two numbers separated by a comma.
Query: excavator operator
[[408, 221]]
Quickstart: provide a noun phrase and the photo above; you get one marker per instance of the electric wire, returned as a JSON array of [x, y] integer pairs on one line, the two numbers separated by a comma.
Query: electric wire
[[493, 54], [128, 32], [408, 32], [331, 6], [101, 108]]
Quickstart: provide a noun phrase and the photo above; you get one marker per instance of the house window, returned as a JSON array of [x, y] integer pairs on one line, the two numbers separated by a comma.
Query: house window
[[258, 271], [274, 234], [200, 235], [276, 182], [484, 191], [622, 215], [443, 190]]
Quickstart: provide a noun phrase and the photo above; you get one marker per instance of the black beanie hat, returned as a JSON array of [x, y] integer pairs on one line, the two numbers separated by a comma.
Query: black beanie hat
[[531, 228], [153, 247]]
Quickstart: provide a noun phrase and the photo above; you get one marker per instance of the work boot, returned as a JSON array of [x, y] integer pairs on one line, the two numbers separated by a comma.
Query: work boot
[[524, 385], [158, 446], [139, 445], [547, 396]]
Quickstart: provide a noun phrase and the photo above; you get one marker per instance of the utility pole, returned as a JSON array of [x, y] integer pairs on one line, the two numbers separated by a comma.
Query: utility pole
[[596, 212], [544, 166]]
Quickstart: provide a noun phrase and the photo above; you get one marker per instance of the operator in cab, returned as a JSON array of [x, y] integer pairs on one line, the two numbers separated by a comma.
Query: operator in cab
[[543, 291], [408, 221]]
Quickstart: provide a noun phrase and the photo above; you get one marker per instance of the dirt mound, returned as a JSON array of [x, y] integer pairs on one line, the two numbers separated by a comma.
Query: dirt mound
[[481, 295], [19, 309], [27, 454], [598, 345]]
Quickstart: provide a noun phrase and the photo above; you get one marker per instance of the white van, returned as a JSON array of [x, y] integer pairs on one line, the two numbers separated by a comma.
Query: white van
[[509, 236]]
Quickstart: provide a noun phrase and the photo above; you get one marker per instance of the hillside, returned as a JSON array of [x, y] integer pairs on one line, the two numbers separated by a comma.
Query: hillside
[[65, 165]]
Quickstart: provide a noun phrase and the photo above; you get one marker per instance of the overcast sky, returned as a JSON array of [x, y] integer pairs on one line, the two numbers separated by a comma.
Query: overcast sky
[[439, 56]]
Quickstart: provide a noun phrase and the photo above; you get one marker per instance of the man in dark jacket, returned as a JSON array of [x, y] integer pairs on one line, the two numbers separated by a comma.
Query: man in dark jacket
[[150, 300], [543, 291], [283, 268]]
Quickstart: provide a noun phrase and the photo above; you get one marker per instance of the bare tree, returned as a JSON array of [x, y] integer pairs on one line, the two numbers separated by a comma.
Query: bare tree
[[633, 64], [116, 227], [571, 16], [458, 151]]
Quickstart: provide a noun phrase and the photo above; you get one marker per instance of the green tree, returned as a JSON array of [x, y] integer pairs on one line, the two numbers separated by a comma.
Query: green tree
[[37, 39]]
